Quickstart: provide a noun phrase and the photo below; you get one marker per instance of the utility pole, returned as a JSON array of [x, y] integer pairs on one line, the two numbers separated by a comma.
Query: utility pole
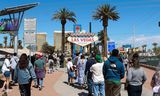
[[90, 31], [134, 37]]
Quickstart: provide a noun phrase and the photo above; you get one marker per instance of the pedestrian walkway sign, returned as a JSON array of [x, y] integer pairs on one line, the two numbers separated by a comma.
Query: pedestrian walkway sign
[[111, 46]]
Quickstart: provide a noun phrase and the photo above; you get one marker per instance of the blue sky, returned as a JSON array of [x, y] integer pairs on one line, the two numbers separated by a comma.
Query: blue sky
[[140, 17]]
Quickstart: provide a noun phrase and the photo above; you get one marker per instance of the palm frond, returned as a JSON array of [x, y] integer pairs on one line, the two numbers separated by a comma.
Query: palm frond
[[72, 19], [105, 11], [113, 16], [64, 14]]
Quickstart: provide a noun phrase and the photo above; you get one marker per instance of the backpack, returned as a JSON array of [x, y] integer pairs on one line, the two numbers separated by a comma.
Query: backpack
[[51, 63]]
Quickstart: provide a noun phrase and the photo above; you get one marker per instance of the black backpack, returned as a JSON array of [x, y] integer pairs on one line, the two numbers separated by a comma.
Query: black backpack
[[51, 63]]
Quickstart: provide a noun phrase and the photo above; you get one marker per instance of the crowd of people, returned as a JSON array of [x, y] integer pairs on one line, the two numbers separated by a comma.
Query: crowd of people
[[25, 69], [103, 75]]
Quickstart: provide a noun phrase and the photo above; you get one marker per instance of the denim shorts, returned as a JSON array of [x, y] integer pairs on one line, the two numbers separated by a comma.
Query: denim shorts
[[71, 74], [7, 73]]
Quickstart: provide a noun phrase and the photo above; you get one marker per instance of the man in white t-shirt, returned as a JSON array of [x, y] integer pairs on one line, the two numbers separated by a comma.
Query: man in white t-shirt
[[97, 76]]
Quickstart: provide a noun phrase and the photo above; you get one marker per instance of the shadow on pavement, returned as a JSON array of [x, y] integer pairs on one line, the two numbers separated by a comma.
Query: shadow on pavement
[[75, 85], [82, 94], [65, 82]]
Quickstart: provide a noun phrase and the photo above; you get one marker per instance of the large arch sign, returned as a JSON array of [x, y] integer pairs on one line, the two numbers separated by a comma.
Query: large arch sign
[[82, 39]]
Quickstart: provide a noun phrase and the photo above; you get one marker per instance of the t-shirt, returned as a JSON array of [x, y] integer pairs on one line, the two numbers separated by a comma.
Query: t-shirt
[[6, 65], [136, 77], [69, 65], [14, 60], [39, 63], [97, 74]]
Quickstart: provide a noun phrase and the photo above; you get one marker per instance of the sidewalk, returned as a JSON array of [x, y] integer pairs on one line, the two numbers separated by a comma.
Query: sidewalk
[[55, 85], [47, 90], [65, 90]]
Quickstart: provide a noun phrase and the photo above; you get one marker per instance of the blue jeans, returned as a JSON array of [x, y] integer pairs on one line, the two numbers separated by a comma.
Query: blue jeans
[[98, 88], [90, 88], [40, 82]]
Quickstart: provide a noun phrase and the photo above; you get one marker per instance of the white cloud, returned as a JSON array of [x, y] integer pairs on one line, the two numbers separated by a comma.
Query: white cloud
[[140, 40]]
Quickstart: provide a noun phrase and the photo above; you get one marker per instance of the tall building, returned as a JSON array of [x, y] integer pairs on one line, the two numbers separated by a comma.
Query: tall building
[[40, 40], [58, 39]]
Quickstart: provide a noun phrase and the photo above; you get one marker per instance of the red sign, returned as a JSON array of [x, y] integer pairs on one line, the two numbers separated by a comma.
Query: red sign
[[77, 28]]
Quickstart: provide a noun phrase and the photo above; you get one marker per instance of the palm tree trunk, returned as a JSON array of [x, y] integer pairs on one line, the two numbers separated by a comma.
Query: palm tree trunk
[[71, 49], [10, 41], [63, 38], [105, 42]]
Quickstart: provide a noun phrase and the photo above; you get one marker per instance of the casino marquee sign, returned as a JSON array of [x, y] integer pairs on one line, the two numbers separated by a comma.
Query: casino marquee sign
[[82, 39]]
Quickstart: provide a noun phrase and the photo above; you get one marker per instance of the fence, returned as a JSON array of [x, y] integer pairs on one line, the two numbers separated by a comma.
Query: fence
[[150, 61]]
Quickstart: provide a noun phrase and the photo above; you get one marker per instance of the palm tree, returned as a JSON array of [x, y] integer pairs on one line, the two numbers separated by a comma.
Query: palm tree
[[11, 40], [155, 46], [104, 13], [5, 41], [63, 15]]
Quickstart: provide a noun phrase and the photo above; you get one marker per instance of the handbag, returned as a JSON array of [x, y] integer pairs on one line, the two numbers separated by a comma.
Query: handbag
[[156, 89], [1, 83]]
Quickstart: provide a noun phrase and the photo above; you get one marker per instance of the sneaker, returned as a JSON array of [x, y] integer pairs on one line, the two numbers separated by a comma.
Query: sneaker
[[40, 88], [13, 83], [35, 86]]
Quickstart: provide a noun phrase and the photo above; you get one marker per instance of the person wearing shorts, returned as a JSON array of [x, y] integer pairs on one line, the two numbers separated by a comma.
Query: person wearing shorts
[[6, 72]]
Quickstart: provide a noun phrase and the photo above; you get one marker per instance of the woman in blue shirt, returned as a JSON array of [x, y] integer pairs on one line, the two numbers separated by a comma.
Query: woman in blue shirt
[[24, 73]]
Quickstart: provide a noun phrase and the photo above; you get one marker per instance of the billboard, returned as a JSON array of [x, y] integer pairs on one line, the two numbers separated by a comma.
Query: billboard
[[111, 46], [30, 24], [29, 38], [8, 25]]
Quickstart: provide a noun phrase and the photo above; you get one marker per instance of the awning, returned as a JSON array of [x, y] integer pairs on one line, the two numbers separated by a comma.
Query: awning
[[17, 9]]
